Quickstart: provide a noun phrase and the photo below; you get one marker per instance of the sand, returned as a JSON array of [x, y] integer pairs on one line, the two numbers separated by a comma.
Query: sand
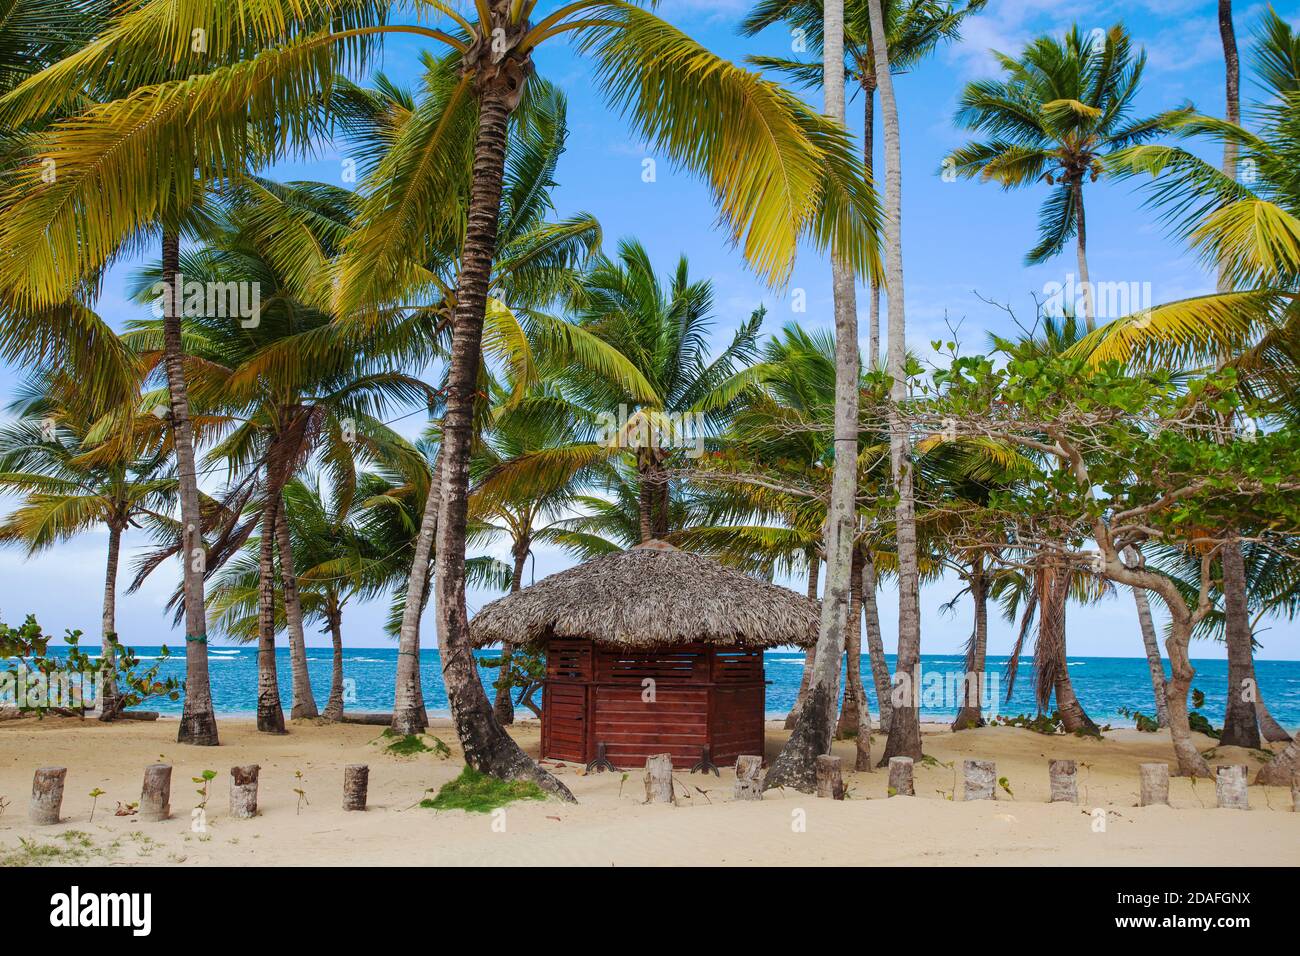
[[610, 825]]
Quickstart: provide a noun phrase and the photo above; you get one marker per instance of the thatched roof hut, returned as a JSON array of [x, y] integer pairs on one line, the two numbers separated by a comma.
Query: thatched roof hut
[[651, 596], [651, 651]]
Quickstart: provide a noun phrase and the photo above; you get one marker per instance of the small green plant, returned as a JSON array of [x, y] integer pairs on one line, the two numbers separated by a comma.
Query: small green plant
[[479, 793], [302, 794], [207, 777], [412, 745], [1148, 725], [1005, 784], [94, 802]]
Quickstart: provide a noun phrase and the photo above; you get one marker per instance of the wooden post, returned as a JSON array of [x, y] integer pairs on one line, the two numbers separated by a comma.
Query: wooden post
[[1230, 787], [830, 782], [1295, 792], [356, 780], [749, 777], [47, 795], [659, 779], [1155, 784], [900, 777], [1063, 775], [156, 794], [980, 776], [243, 791]]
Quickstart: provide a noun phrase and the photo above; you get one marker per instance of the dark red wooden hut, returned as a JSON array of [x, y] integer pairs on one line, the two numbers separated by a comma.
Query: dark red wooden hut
[[650, 651]]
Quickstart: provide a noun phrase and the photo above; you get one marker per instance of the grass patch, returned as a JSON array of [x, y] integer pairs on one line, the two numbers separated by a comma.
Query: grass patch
[[479, 793], [412, 745], [76, 846]]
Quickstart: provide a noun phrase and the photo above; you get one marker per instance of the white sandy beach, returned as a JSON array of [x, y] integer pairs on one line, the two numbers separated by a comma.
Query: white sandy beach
[[610, 825]]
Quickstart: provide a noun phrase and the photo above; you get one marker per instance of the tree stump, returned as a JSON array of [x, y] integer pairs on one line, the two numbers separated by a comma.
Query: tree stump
[[830, 781], [156, 794], [243, 791], [1063, 775], [1155, 784], [356, 780], [749, 777], [981, 776], [900, 777], [659, 779], [1230, 787], [47, 795]]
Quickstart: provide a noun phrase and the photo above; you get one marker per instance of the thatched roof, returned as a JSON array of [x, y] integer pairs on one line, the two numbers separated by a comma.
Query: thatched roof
[[651, 596]]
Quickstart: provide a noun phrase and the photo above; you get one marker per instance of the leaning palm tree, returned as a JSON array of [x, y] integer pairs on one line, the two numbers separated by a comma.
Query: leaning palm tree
[[77, 471], [1059, 111]]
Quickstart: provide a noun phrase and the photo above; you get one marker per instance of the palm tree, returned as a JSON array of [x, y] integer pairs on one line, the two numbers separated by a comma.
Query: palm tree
[[1246, 228], [1061, 109], [780, 173], [915, 28], [77, 471]]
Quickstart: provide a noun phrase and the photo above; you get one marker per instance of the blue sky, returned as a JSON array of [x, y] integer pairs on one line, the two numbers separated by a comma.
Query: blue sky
[[963, 242]]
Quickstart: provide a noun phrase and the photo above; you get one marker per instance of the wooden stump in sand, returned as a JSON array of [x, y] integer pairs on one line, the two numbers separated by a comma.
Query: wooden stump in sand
[[981, 776], [243, 791], [1155, 784], [830, 781], [1230, 787], [156, 794], [47, 795], [749, 777], [1063, 775], [659, 779], [900, 777], [356, 780]]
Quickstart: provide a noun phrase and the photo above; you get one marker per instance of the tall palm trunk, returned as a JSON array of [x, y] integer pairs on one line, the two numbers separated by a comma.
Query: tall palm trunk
[[1154, 664], [502, 707], [810, 656], [905, 725], [408, 700], [198, 722], [1273, 732], [875, 644], [1282, 769], [855, 718], [109, 704], [1081, 254], [795, 766], [1054, 669], [334, 706], [270, 714], [304, 702], [488, 748], [971, 712], [868, 84], [1240, 722]]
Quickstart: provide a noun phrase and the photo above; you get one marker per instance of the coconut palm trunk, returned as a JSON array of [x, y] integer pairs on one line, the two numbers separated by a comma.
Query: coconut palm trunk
[[408, 699], [198, 723], [810, 656], [1154, 664], [270, 713], [875, 643], [1054, 670], [905, 724], [334, 619], [971, 712], [487, 747], [1081, 254], [855, 718], [868, 84], [109, 704], [1240, 722], [502, 707], [304, 702], [795, 766]]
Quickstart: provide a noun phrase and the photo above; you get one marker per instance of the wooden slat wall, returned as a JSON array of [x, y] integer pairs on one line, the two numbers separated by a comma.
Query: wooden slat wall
[[631, 729]]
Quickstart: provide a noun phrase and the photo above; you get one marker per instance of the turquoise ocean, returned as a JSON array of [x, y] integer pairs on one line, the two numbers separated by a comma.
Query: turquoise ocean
[[1105, 685]]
